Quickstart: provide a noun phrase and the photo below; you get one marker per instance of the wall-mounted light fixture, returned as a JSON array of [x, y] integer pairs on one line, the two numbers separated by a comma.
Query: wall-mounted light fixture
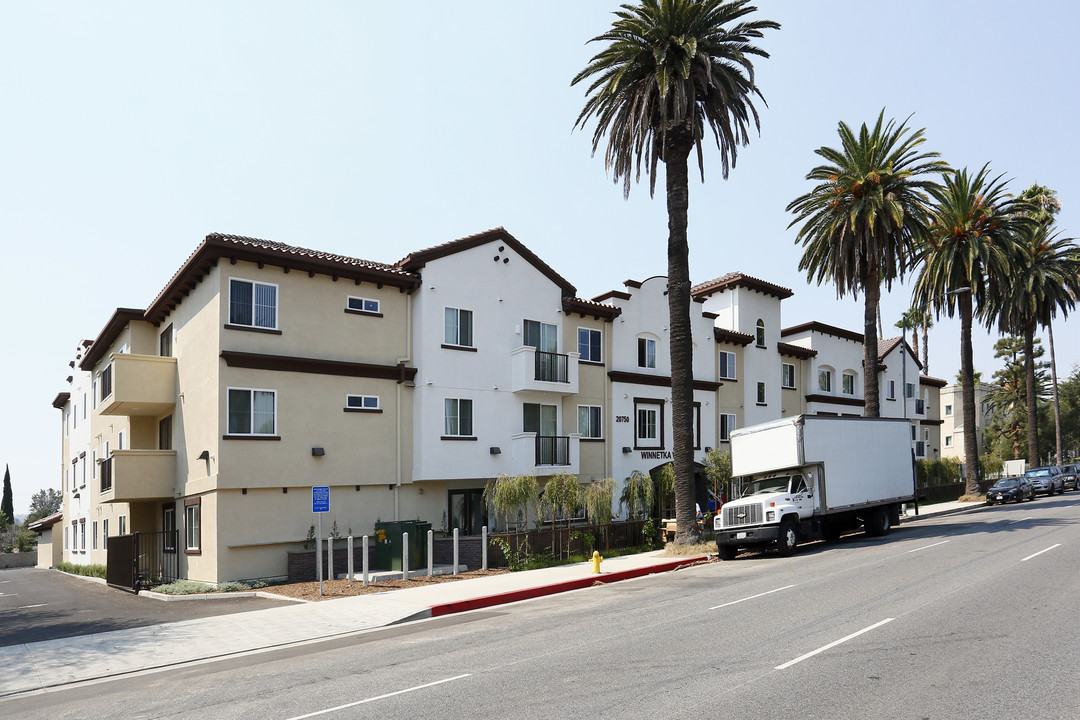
[[495, 450], [204, 455], [708, 449], [627, 450], [317, 452]]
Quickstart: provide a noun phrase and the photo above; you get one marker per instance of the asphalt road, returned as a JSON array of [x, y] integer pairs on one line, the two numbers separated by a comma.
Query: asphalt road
[[38, 605], [967, 616]]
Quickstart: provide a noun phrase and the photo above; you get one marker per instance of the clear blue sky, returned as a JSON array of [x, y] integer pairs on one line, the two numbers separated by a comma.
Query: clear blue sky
[[131, 130]]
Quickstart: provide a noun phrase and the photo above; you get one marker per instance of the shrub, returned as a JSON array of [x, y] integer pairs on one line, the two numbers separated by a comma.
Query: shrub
[[97, 571]]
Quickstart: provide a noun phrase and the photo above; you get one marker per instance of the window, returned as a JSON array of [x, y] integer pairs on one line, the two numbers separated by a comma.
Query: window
[[727, 424], [65, 537], [787, 375], [539, 419], [458, 416], [94, 392], [646, 353], [948, 410], [727, 365], [648, 423], [168, 524], [695, 425], [252, 412], [458, 329], [760, 335], [252, 304], [588, 421], [542, 336], [122, 524], [105, 382], [849, 383], [120, 438], [824, 380], [94, 536], [588, 345], [164, 433], [362, 402], [761, 393], [948, 441], [82, 534], [362, 305], [165, 342], [105, 534], [890, 390], [909, 390], [193, 525]]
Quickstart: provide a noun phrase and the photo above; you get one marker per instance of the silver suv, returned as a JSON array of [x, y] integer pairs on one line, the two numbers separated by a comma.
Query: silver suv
[[1046, 479]]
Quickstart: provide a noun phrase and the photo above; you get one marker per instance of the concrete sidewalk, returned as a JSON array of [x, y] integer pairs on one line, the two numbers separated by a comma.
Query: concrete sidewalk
[[35, 666]]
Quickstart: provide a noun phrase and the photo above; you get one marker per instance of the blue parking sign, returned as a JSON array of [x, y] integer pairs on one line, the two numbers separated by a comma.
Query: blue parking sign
[[320, 499]]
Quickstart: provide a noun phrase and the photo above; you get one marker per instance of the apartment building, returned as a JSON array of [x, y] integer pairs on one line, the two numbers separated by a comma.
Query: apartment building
[[952, 419], [262, 370]]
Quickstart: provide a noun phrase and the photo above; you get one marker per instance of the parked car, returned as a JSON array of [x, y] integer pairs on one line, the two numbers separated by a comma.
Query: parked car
[[1046, 479], [1015, 489], [1070, 476]]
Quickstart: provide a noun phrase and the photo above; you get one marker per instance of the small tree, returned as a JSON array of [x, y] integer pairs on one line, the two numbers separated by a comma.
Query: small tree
[[7, 505], [44, 503], [718, 471], [507, 496], [637, 495], [598, 497], [562, 492]]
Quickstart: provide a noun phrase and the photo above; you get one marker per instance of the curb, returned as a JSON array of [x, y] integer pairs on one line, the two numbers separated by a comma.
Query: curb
[[554, 588], [915, 518]]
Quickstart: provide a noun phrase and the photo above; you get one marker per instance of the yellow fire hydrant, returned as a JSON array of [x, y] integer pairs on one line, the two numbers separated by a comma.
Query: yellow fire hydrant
[[596, 562]]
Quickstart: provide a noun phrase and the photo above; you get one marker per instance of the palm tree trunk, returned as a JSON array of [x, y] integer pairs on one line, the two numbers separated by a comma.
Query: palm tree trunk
[[871, 299], [967, 383], [1057, 406], [1032, 399], [925, 348], [677, 145]]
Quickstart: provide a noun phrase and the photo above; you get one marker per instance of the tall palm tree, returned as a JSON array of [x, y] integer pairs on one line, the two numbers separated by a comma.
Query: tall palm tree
[[1045, 282], [911, 319], [861, 222], [670, 71], [967, 257]]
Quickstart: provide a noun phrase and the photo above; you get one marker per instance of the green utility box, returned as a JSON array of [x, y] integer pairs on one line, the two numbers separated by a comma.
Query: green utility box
[[388, 544]]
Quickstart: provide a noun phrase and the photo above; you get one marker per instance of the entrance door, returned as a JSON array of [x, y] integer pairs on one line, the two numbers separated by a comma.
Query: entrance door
[[467, 511]]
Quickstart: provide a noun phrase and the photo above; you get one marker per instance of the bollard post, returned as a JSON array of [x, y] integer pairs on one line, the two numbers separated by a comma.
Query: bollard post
[[364, 562], [483, 548], [350, 574], [404, 556], [329, 557], [318, 561], [455, 551], [430, 552]]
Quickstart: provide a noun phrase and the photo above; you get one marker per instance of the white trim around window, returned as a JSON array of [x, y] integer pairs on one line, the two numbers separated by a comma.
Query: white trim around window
[[363, 306], [646, 352], [458, 419], [590, 345], [727, 365], [251, 412], [253, 304], [362, 403], [590, 422], [457, 328], [787, 376], [727, 424]]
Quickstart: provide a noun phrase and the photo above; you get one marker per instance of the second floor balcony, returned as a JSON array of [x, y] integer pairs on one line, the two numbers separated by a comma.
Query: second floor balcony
[[534, 370], [542, 455], [137, 385], [137, 475], [916, 407]]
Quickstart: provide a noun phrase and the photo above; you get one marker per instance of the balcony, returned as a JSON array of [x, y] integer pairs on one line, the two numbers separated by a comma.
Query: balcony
[[916, 407], [136, 475], [138, 385], [542, 455], [536, 371], [920, 449]]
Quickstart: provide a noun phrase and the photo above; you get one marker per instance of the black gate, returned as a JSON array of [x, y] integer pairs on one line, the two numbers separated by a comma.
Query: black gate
[[140, 561]]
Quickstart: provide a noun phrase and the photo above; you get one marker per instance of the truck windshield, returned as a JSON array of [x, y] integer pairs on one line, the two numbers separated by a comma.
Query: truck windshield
[[778, 483]]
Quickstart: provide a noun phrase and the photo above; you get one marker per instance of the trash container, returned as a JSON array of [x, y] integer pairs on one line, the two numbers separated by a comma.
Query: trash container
[[388, 544]]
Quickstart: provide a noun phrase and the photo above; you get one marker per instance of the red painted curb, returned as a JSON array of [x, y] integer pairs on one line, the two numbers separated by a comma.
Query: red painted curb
[[542, 590]]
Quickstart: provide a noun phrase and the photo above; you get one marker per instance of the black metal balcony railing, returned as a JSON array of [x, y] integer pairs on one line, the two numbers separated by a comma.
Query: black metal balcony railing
[[105, 472], [920, 406], [552, 450], [552, 367], [920, 449]]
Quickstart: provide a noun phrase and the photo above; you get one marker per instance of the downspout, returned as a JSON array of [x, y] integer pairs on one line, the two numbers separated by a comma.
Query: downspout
[[397, 439]]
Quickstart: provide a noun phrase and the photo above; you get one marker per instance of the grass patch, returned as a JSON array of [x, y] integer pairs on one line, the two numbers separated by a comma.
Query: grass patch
[[971, 498], [97, 571]]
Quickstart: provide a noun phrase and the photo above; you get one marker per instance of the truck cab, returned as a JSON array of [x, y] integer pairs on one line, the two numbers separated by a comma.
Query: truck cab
[[770, 510]]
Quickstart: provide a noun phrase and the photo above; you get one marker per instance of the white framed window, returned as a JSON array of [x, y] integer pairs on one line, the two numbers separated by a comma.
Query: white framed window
[[909, 390], [121, 438], [787, 375], [542, 336], [646, 353], [458, 327], [890, 390], [457, 417], [761, 393], [824, 380], [94, 392], [848, 383], [948, 441], [589, 421], [65, 537], [727, 365], [93, 538], [588, 343], [104, 383], [727, 424], [82, 534], [759, 336], [361, 402], [193, 525], [648, 423], [253, 304], [948, 411], [105, 534], [82, 463], [168, 524], [252, 412], [122, 524], [93, 464], [540, 419], [365, 305]]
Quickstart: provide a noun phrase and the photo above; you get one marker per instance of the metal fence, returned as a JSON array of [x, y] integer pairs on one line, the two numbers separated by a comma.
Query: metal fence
[[552, 367], [142, 560]]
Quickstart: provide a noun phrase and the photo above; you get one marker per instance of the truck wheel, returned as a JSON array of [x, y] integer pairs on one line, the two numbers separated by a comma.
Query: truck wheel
[[877, 522], [726, 552], [789, 538]]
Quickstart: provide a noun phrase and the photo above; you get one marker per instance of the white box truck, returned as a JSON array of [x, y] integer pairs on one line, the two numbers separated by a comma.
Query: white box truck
[[815, 476]]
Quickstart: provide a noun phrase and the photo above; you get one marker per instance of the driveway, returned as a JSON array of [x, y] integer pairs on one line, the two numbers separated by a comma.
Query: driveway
[[38, 605]]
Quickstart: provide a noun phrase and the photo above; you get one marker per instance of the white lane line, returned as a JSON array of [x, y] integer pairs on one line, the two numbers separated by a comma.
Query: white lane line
[[811, 654], [924, 547], [9, 594], [1020, 520], [27, 607], [380, 697], [736, 602], [1041, 552]]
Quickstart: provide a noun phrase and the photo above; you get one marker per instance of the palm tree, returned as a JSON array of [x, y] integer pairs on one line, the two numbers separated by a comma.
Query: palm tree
[[861, 222], [912, 318], [1045, 282], [967, 257], [671, 70]]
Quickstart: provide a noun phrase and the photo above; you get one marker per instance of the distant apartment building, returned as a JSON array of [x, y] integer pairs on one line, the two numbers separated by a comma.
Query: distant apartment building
[[952, 419], [262, 370]]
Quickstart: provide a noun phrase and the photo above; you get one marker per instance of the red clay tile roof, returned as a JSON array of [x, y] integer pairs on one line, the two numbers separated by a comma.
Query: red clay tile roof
[[734, 280]]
